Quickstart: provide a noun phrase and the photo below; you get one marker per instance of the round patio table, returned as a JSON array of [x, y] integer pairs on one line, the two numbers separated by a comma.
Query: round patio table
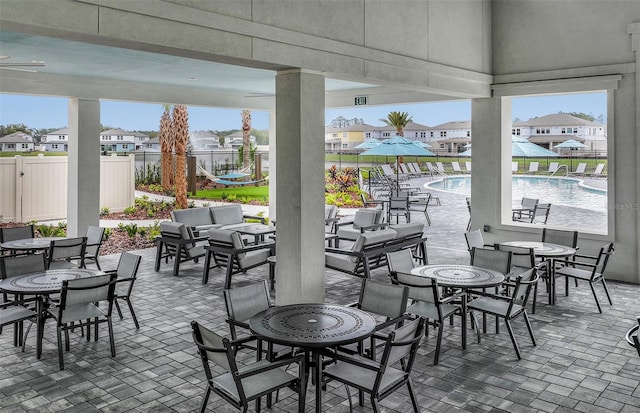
[[546, 251], [313, 327], [29, 244], [43, 283], [462, 277]]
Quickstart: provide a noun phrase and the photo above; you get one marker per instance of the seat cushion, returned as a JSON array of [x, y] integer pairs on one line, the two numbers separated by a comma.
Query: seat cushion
[[227, 214], [253, 258], [403, 230], [228, 236], [340, 261]]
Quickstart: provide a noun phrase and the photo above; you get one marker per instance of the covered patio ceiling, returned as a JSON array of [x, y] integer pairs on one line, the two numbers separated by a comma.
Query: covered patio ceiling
[[89, 70]]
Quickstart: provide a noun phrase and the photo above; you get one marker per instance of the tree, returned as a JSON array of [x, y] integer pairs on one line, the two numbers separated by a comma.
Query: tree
[[580, 115], [9, 129], [181, 134], [167, 143], [246, 137], [398, 120]]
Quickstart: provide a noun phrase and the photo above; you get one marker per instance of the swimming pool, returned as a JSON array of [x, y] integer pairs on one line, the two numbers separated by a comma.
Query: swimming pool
[[554, 190]]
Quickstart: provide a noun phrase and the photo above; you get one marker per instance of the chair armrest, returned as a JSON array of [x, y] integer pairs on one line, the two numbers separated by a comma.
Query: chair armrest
[[494, 296], [372, 227], [341, 222], [253, 370], [238, 324], [357, 361], [266, 245], [261, 219]]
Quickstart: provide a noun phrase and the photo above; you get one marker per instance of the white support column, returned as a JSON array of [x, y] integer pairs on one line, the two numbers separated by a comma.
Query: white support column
[[300, 187], [83, 193], [273, 175]]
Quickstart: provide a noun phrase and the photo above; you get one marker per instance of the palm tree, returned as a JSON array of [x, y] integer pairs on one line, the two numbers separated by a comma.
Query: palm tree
[[246, 137], [167, 143], [399, 120], [181, 133]]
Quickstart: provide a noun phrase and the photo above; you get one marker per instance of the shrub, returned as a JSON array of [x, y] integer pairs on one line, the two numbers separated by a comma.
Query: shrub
[[50, 231], [129, 210], [130, 229]]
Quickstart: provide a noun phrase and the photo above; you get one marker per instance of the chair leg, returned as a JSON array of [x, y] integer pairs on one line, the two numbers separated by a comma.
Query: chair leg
[[205, 399], [528, 323], [112, 342], [513, 339], [133, 313], [474, 324], [374, 404], [534, 299], [595, 297], [606, 290], [118, 309], [60, 353], [412, 395], [98, 263], [436, 357]]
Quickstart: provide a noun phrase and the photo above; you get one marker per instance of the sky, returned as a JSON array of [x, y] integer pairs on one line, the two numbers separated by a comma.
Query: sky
[[48, 112]]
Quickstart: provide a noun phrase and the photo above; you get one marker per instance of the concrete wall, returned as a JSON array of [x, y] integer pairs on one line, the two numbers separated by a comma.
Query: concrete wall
[[542, 47]]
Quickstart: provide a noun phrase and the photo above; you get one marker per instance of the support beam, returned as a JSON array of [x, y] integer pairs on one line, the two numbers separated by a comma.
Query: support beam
[[83, 178], [300, 187]]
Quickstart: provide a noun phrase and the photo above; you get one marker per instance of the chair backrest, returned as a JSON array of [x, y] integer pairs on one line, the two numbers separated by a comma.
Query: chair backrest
[[522, 289], [401, 344], [94, 239], [227, 214], [606, 251], [226, 238], [599, 169], [456, 166], [541, 211], [68, 248], [533, 166], [127, 269], [11, 266], [514, 166], [384, 299], [491, 259], [581, 168], [553, 166], [474, 239], [560, 237], [178, 231], [400, 261], [244, 302], [11, 234], [420, 288], [529, 202], [521, 257], [215, 349], [330, 211], [467, 166], [87, 290], [440, 166], [365, 217], [398, 203]]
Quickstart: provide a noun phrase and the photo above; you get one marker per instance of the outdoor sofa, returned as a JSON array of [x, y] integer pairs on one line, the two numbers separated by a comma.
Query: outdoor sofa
[[205, 218]]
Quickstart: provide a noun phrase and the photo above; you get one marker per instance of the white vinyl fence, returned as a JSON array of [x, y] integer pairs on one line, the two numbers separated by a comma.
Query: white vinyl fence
[[35, 188]]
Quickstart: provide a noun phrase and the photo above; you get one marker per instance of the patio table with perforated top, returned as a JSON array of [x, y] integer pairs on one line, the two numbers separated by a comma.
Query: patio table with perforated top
[[313, 327]]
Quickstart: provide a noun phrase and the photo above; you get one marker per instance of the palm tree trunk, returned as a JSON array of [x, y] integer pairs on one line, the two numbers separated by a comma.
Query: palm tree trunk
[[246, 138], [181, 133], [167, 143]]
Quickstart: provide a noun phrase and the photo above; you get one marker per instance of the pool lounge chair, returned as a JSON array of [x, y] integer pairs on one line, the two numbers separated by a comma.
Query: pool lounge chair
[[553, 167], [514, 166], [533, 167], [456, 167], [598, 171], [580, 169], [467, 165]]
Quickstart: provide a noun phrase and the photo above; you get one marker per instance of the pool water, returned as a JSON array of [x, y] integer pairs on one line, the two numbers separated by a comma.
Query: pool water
[[553, 190]]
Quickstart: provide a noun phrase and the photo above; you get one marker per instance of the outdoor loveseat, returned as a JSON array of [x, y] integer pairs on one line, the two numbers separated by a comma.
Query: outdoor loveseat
[[205, 218], [370, 248]]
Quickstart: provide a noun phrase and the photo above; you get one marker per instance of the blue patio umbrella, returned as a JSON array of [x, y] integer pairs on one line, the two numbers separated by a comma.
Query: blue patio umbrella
[[397, 146], [421, 144], [367, 144], [522, 148], [571, 144]]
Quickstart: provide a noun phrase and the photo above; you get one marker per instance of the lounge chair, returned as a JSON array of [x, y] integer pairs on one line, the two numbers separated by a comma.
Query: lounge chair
[[440, 167], [533, 167], [467, 165], [553, 167], [580, 169], [456, 167], [598, 171], [514, 166]]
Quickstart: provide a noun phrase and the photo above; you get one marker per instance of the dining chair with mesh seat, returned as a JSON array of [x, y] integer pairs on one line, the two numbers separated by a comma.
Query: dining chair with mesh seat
[[421, 204], [491, 259], [398, 206], [15, 233], [383, 378], [387, 303], [590, 269], [79, 303], [522, 259], [241, 304], [126, 272], [94, 242], [475, 239], [508, 307], [239, 385], [62, 252], [427, 302], [560, 237]]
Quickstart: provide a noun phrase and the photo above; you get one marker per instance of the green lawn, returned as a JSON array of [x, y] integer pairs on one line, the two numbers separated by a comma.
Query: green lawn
[[33, 153], [258, 193]]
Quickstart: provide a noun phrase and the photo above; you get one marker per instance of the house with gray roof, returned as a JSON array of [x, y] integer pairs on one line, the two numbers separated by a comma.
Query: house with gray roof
[[551, 130], [16, 142], [55, 141]]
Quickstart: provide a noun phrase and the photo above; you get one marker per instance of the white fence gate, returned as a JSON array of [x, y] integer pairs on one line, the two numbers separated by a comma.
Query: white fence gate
[[35, 188]]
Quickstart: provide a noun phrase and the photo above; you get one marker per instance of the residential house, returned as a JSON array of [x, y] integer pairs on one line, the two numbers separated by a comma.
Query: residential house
[[413, 131], [139, 138], [551, 130], [205, 140], [345, 138], [151, 145], [56, 141], [234, 141], [117, 140], [16, 142]]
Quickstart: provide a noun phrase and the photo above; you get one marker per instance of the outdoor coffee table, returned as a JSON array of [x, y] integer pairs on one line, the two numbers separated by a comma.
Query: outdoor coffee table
[[546, 251], [313, 327], [43, 283], [463, 277], [258, 231]]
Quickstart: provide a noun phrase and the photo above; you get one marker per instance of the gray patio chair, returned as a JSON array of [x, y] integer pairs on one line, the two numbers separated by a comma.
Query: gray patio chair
[[508, 307], [126, 272], [63, 251], [239, 385], [177, 241], [365, 219], [421, 205], [227, 250], [398, 206], [381, 379], [490, 259], [589, 268], [633, 337], [15, 233], [427, 302], [79, 304], [244, 302], [94, 242], [475, 239], [560, 237], [539, 214], [522, 260]]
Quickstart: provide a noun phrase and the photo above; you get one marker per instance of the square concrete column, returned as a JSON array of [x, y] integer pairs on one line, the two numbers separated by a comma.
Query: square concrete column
[[83, 179], [300, 187]]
